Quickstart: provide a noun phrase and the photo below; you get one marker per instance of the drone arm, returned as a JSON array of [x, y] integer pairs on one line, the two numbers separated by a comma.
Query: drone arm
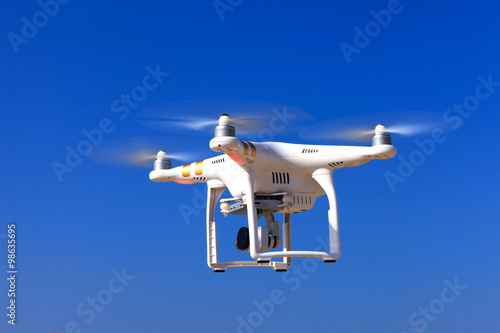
[[167, 175], [238, 151]]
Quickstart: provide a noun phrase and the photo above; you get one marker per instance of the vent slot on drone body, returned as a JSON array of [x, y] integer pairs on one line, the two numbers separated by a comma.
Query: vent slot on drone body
[[335, 164], [281, 178], [219, 160], [309, 151], [302, 200]]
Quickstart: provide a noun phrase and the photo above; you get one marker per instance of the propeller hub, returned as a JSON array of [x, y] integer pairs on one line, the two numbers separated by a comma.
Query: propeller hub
[[162, 155], [380, 129], [225, 120]]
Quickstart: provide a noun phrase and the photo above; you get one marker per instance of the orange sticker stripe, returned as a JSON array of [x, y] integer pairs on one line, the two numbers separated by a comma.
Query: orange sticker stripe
[[198, 168], [245, 147], [254, 150], [186, 170]]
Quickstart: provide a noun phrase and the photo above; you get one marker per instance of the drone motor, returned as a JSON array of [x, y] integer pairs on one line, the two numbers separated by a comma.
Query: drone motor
[[381, 137], [162, 162]]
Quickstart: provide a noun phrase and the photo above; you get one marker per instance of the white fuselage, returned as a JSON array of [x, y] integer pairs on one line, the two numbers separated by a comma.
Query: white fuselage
[[279, 167]]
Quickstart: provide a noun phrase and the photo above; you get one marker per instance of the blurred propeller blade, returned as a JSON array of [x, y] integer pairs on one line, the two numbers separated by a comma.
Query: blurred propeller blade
[[136, 151], [200, 117], [361, 128]]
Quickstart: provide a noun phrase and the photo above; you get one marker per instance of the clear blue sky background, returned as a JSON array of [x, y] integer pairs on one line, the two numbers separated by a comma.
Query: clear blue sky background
[[398, 247]]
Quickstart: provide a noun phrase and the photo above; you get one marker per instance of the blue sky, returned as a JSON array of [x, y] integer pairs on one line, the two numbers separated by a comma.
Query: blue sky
[[402, 246]]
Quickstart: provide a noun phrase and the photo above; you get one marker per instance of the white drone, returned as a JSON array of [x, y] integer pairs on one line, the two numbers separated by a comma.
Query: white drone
[[267, 178]]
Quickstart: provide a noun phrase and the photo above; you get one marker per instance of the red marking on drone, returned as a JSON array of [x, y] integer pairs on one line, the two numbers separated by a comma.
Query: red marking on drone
[[235, 157], [185, 182]]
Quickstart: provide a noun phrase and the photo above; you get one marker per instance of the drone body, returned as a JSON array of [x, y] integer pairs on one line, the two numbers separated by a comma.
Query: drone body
[[267, 178]]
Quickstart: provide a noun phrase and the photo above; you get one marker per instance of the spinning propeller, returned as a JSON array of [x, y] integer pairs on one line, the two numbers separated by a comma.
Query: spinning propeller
[[200, 117], [360, 128], [139, 151], [197, 118]]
